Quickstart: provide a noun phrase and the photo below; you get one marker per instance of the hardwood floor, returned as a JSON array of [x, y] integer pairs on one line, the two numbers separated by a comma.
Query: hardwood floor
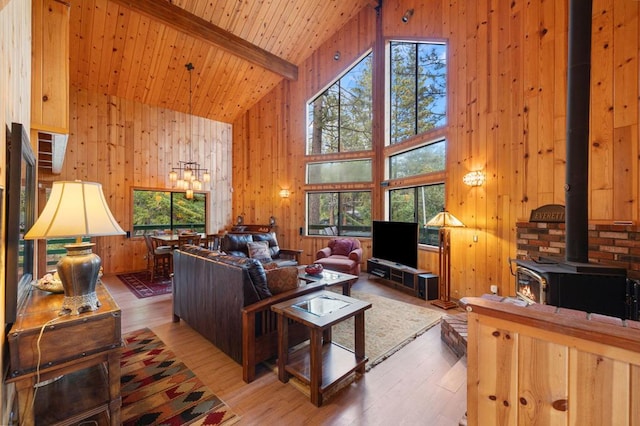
[[422, 384]]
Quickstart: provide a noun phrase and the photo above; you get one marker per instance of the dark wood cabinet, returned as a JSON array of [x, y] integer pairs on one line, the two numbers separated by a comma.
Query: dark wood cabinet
[[69, 364], [398, 276]]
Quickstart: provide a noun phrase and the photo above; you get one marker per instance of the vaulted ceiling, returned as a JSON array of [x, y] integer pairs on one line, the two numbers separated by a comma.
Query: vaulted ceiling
[[240, 49]]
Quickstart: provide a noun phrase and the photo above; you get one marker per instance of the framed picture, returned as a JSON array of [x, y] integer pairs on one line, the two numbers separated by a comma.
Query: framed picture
[[20, 216]]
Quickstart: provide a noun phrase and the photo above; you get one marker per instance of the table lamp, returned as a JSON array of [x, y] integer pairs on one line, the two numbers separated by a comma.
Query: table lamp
[[444, 220], [76, 209]]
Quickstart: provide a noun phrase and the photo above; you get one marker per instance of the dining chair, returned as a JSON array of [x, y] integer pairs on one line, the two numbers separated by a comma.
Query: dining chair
[[159, 259], [193, 239], [211, 241]]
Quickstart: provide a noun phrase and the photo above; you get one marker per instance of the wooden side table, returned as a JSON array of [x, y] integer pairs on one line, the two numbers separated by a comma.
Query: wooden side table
[[79, 357], [323, 363]]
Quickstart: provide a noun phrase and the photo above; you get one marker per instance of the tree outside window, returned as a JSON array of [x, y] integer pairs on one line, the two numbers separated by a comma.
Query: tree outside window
[[418, 88], [418, 204], [339, 213], [339, 119], [158, 211]]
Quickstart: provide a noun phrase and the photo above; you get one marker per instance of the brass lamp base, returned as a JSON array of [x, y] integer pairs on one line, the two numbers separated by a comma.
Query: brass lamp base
[[78, 271], [444, 304]]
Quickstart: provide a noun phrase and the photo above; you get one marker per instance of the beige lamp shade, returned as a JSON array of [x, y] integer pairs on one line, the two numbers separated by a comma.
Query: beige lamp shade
[[444, 219], [75, 209]]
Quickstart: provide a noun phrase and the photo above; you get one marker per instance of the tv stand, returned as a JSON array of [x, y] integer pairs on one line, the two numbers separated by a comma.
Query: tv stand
[[395, 275]]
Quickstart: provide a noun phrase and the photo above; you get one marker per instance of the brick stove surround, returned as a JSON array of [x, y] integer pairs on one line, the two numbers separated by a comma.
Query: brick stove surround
[[612, 245]]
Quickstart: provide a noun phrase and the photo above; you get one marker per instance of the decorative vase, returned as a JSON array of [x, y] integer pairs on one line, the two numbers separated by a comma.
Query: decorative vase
[[78, 271]]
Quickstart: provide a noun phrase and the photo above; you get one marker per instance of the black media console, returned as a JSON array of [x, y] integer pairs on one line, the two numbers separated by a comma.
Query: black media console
[[416, 282]]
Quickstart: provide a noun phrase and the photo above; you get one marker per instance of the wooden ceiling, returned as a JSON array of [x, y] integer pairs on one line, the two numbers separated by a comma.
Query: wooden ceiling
[[240, 49]]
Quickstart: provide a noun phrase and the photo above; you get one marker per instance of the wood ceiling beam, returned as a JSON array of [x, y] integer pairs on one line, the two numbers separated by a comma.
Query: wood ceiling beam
[[194, 26]]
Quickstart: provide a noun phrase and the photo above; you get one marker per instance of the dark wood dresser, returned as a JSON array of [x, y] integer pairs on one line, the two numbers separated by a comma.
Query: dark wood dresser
[[74, 359]]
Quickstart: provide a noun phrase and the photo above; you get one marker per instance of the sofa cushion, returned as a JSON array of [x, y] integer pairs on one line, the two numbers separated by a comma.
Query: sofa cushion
[[236, 244], [337, 263], [270, 238], [282, 279], [254, 269], [342, 247], [259, 250]]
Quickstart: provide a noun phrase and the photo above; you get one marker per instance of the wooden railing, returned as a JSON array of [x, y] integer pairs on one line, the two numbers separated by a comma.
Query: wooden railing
[[550, 366]]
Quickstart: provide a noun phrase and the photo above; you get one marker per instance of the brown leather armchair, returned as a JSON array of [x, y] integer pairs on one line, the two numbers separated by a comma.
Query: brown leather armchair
[[342, 255]]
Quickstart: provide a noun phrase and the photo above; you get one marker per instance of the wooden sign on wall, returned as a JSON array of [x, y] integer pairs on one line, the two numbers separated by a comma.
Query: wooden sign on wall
[[548, 213]]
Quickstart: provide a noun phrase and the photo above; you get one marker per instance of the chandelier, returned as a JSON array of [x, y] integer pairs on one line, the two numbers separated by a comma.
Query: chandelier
[[189, 176]]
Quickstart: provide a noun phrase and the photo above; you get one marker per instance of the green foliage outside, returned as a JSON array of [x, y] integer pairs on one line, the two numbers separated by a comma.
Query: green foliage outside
[[161, 210], [340, 120], [418, 88]]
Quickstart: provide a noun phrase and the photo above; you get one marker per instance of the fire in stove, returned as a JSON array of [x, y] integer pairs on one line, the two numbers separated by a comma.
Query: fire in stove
[[526, 292], [530, 285]]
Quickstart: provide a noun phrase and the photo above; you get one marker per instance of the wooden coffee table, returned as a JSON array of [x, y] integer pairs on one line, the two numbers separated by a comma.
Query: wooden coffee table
[[322, 363], [330, 279]]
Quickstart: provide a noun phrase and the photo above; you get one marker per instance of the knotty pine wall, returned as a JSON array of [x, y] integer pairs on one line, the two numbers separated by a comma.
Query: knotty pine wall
[[124, 145], [507, 111], [15, 106]]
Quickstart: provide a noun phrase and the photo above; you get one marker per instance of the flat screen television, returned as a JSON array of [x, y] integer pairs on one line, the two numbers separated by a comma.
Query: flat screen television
[[396, 242]]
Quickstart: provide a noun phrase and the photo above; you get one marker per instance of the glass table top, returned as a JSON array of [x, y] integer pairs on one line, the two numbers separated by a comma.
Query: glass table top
[[321, 305]]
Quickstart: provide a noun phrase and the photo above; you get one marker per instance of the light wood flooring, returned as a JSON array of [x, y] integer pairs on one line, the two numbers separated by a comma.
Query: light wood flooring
[[422, 384]]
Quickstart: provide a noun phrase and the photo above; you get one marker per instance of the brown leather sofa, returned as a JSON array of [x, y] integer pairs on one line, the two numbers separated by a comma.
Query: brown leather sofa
[[236, 244], [226, 299]]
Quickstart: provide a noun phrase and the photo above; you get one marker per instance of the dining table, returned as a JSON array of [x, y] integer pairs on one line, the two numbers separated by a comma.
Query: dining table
[[171, 239]]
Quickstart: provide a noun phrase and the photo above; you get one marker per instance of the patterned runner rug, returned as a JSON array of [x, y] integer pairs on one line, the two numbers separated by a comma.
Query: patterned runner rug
[[158, 389], [139, 284]]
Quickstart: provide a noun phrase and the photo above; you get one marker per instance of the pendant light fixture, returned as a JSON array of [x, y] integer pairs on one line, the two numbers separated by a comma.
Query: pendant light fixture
[[189, 175]]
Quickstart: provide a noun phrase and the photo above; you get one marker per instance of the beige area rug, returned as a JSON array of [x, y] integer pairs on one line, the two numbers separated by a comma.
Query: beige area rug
[[389, 325]]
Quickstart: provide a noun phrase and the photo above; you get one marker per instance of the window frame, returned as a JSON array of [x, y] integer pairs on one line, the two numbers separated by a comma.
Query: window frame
[[174, 228], [338, 225], [312, 99], [387, 89]]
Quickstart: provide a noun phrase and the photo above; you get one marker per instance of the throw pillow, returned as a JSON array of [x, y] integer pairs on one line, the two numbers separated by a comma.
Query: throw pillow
[[259, 250], [282, 279], [342, 247], [269, 266]]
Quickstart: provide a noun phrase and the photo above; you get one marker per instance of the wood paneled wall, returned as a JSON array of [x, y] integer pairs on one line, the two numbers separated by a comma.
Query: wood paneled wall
[[15, 106], [507, 111], [125, 144]]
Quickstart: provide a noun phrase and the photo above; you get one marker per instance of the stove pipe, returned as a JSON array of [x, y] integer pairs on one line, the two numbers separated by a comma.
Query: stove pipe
[[578, 103]]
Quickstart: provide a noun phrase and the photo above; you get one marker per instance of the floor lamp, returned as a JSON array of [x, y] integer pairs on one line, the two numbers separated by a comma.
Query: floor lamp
[[444, 220]]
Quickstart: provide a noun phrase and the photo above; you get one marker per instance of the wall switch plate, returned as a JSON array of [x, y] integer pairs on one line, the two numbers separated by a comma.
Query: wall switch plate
[[494, 289]]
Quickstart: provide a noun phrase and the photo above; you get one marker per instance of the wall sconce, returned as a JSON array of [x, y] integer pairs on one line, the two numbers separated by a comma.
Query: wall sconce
[[408, 14], [476, 178], [284, 193]]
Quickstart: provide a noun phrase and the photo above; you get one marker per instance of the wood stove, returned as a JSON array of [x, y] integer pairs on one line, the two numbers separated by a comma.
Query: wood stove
[[591, 288]]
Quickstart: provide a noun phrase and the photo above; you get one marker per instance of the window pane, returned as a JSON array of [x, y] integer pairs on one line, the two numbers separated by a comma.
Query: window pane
[[418, 83], [339, 119], [348, 213], [356, 108], [339, 171], [418, 204], [161, 210], [403, 91], [402, 205], [426, 159], [432, 86], [189, 214]]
